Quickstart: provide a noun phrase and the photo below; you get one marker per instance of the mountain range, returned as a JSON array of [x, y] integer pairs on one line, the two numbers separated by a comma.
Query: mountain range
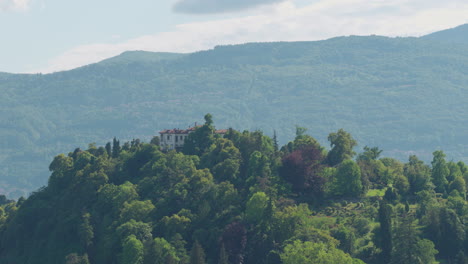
[[404, 95]]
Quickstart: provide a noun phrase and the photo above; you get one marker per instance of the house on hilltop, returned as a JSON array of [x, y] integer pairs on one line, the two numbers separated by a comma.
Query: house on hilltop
[[175, 138]]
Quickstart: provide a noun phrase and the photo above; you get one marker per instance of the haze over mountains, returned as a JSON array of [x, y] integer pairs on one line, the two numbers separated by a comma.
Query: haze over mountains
[[405, 95]]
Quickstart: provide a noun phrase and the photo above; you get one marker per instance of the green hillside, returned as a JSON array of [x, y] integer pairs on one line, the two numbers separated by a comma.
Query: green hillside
[[240, 198], [406, 95]]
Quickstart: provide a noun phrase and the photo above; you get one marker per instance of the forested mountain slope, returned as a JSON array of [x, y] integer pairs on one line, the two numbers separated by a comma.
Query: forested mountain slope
[[240, 199], [408, 95], [455, 35]]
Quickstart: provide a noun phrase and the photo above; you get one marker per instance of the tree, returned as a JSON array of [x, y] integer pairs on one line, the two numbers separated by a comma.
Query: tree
[[223, 256], [302, 168], [275, 141], [201, 139], [142, 231], [307, 252], [455, 171], [109, 149], [370, 154], [85, 231], [136, 210], [459, 185], [223, 159], [74, 258], [348, 180], [408, 248], [234, 239], [342, 147], [384, 233], [256, 207], [347, 239], [418, 174], [115, 148], [162, 251], [446, 230], [440, 171], [132, 251], [197, 254]]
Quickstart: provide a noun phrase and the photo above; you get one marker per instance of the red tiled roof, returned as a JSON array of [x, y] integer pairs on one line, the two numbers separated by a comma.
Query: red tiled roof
[[221, 131]]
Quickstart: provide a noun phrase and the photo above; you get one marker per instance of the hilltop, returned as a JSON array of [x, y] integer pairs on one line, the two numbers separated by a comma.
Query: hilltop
[[406, 95], [239, 197]]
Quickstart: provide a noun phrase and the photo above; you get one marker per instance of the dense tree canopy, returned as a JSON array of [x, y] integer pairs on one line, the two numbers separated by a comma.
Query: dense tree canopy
[[239, 199]]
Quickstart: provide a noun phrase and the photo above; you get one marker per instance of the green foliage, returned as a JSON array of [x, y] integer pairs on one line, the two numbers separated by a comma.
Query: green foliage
[[161, 251], [85, 231], [197, 254], [147, 206], [418, 174], [348, 180], [384, 233], [307, 252], [380, 89], [136, 210], [142, 231], [255, 208], [201, 139], [74, 258], [342, 147], [370, 153], [223, 159], [408, 247], [132, 251], [440, 171]]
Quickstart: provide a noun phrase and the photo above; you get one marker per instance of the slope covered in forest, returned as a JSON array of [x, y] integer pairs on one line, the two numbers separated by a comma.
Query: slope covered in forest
[[239, 199], [453, 35], [407, 95]]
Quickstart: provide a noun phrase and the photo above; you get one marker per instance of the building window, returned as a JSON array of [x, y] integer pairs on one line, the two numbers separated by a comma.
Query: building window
[[176, 139], [168, 137]]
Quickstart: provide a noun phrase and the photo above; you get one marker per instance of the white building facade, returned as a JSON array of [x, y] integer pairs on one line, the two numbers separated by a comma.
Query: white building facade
[[175, 138]]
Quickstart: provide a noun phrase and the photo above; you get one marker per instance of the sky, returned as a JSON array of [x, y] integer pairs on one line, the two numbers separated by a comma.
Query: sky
[[55, 35]]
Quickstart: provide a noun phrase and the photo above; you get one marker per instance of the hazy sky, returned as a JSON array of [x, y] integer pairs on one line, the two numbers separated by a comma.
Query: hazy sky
[[54, 35]]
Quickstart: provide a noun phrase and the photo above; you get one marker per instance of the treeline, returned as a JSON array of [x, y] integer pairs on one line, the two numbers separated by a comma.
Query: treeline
[[240, 198]]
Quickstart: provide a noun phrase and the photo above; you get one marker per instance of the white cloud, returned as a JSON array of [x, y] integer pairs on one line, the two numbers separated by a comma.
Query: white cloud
[[287, 22], [14, 5], [218, 6]]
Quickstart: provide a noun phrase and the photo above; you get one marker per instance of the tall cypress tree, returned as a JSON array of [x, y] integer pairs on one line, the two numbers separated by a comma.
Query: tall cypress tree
[[115, 148], [385, 232], [197, 254], [109, 149]]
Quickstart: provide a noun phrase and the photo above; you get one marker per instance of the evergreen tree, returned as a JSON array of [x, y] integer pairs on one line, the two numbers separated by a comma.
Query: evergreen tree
[[197, 254], [385, 231], [408, 248], [115, 148], [275, 141], [440, 171], [109, 149]]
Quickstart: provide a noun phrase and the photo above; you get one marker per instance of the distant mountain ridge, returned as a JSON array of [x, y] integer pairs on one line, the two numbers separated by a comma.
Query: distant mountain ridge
[[453, 35], [142, 56], [406, 94]]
